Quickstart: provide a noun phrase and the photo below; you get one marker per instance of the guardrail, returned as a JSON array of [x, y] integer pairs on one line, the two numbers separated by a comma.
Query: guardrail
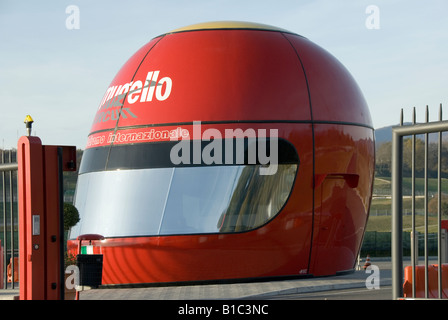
[[8, 265]]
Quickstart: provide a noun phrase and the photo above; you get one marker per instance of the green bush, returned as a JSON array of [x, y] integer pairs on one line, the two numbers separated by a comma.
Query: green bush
[[71, 216]]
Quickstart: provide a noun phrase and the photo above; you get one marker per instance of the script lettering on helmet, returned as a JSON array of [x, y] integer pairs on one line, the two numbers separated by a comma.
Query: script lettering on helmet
[[134, 91], [152, 89]]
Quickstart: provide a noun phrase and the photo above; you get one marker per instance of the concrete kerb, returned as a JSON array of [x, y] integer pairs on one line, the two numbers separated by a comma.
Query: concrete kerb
[[308, 289], [317, 288], [351, 281]]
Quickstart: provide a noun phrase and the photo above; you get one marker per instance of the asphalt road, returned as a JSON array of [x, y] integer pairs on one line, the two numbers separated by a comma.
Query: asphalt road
[[384, 293]]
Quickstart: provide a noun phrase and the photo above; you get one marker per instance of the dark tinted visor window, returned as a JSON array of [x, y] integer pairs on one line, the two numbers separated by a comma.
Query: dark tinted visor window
[[136, 190]]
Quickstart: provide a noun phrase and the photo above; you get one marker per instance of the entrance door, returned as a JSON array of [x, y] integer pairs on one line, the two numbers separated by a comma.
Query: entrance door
[[335, 236]]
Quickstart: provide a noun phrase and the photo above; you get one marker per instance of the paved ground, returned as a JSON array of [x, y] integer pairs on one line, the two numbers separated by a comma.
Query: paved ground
[[235, 291], [252, 290], [9, 294]]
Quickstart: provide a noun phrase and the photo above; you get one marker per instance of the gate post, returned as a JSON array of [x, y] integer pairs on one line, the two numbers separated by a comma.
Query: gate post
[[41, 217], [397, 219]]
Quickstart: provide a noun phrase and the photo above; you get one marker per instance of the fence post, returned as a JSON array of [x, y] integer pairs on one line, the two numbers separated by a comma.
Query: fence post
[[1, 265], [397, 219]]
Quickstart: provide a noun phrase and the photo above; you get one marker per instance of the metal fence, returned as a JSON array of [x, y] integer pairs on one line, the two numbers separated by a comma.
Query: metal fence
[[398, 133], [9, 224], [378, 244]]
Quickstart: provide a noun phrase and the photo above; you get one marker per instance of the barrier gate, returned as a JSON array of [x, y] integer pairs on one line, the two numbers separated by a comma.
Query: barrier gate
[[41, 234], [426, 281]]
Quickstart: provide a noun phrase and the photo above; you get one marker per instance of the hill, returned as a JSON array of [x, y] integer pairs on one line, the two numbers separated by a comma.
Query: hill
[[384, 134]]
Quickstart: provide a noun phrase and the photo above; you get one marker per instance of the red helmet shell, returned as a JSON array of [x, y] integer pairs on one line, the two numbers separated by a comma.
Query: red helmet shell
[[245, 75], [228, 72]]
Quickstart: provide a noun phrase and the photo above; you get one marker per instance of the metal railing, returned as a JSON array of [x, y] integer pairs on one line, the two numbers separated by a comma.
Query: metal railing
[[398, 133], [8, 170]]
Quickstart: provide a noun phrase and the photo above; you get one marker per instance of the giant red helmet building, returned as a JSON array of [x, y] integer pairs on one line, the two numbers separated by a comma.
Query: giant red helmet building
[[227, 150]]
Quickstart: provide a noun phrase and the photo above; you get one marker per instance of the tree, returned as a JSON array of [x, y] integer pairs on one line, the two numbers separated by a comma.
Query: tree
[[71, 216], [383, 159], [433, 205]]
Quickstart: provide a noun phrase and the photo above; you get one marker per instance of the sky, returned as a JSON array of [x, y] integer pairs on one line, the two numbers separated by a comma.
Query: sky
[[56, 64]]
